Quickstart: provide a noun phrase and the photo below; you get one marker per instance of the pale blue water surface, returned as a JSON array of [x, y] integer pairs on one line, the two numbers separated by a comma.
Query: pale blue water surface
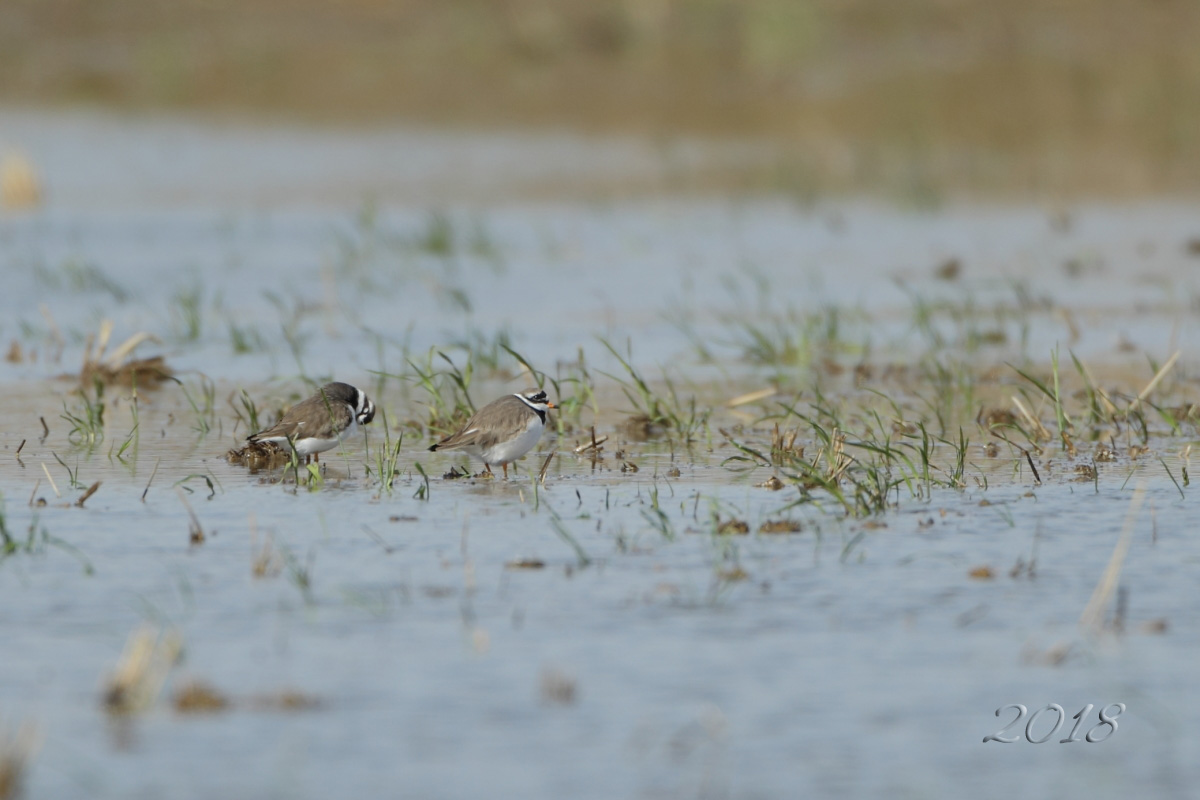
[[847, 660]]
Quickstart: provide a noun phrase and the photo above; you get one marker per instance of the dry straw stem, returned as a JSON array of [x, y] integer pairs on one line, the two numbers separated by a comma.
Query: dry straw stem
[[118, 367], [750, 397], [1109, 408], [50, 478], [545, 466], [1033, 421], [16, 751], [19, 189], [148, 657], [267, 561], [1093, 616], [1158, 376]]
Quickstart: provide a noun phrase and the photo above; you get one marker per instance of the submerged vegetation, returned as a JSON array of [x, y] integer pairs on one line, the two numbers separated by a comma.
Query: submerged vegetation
[[849, 412]]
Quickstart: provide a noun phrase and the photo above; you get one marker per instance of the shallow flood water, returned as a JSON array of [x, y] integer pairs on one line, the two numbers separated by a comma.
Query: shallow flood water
[[652, 653]]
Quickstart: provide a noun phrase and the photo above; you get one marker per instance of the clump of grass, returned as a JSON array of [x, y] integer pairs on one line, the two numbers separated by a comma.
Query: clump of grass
[[431, 254], [441, 241], [300, 574], [1101, 412], [132, 439], [9, 544], [784, 446], [481, 245], [359, 248], [791, 339], [438, 238], [1055, 395], [87, 423], [267, 560], [246, 339], [861, 483], [387, 458], [36, 541], [487, 353], [659, 411], [187, 313], [203, 405], [582, 558], [291, 319], [656, 518], [313, 481], [80, 276], [249, 407], [447, 391], [422, 492], [575, 393]]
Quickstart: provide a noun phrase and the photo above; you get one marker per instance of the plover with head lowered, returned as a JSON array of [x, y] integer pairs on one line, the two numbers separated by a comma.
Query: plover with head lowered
[[321, 422]]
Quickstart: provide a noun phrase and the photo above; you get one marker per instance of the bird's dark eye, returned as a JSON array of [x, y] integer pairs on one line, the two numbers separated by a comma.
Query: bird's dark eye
[[540, 397]]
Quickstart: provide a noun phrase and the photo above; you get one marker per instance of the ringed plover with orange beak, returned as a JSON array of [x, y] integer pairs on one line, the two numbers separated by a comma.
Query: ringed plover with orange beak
[[503, 430]]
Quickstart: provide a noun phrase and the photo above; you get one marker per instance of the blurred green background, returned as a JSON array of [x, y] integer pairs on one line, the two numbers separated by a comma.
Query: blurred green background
[[1057, 98]]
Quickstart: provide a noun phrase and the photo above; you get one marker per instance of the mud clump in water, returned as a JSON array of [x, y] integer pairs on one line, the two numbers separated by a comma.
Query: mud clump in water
[[780, 526], [733, 527], [145, 373], [640, 428], [198, 697], [258, 455]]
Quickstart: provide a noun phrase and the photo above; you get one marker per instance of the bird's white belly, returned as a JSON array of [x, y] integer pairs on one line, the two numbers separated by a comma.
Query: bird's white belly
[[505, 452], [308, 445]]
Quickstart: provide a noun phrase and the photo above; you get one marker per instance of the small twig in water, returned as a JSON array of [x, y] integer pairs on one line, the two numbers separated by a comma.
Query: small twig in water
[[1171, 475], [594, 444], [152, 474], [91, 491], [1037, 479]]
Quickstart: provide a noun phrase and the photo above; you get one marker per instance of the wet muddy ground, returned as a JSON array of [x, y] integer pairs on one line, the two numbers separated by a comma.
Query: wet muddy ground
[[866, 468]]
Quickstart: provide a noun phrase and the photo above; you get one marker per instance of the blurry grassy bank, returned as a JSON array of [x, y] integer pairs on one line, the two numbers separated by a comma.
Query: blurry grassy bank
[[1054, 98]]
